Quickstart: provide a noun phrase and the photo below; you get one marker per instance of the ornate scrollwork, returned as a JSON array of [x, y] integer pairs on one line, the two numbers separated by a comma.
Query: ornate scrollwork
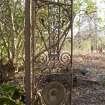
[[65, 58], [42, 60]]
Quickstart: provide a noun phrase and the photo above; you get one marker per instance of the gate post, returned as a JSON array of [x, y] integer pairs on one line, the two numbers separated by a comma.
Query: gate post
[[27, 53], [71, 74]]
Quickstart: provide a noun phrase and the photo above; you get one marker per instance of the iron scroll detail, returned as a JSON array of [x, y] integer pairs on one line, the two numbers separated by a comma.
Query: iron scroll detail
[[57, 61]]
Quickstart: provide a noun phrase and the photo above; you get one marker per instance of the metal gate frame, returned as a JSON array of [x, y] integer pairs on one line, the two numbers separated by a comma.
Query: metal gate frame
[[53, 47]]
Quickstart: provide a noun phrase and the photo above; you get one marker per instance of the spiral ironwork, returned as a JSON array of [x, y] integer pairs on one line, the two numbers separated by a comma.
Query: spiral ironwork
[[65, 58]]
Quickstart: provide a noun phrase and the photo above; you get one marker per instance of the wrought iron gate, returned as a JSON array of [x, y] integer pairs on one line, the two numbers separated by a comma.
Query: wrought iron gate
[[52, 67]]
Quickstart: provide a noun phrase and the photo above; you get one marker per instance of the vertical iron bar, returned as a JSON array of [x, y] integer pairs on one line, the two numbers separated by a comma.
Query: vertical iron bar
[[58, 31], [33, 43], [49, 52], [49, 35], [27, 53], [71, 52], [52, 29]]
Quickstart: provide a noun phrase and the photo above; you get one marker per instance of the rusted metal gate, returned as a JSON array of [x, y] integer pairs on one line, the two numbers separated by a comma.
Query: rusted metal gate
[[52, 24]]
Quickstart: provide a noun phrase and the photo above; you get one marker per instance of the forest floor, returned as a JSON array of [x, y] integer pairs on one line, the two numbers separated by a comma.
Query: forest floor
[[89, 95], [90, 91]]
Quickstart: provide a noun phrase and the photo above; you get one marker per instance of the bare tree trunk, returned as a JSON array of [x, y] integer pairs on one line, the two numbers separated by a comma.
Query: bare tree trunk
[[27, 53], [12, 38]]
